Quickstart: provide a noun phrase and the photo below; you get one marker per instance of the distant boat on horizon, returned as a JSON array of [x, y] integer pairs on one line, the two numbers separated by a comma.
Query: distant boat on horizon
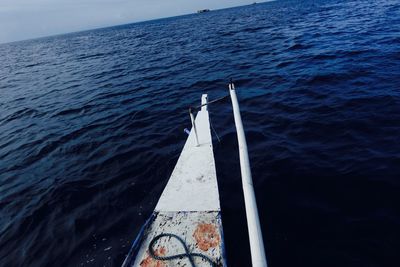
[[203, 10]]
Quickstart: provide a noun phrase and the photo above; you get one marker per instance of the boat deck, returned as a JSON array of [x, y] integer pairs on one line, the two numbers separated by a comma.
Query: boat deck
[[185, 228]]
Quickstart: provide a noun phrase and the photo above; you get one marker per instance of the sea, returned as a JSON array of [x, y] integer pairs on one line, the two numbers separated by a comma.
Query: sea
[[92, 124]]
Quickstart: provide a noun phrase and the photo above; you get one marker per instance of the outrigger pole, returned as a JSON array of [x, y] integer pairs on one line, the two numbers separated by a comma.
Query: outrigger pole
[[258, 258]]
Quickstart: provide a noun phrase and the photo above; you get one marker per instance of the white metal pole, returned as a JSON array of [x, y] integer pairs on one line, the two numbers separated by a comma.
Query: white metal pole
[[253, 222]]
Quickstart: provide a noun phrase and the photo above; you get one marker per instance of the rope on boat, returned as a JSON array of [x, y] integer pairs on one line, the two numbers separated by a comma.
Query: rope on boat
[[187, 253], [209, 102], [215, 132]]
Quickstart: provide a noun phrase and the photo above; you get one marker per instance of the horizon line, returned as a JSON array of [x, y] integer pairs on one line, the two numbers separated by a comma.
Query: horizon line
[[125, 24]]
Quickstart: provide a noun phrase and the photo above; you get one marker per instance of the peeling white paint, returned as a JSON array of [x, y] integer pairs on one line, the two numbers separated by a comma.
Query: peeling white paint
[[183, 224]]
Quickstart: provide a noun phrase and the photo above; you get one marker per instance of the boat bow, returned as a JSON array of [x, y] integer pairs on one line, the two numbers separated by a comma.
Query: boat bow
[[186, 227]]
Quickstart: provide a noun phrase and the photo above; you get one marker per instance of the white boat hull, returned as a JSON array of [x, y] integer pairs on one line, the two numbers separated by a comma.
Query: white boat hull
[[185, 228]]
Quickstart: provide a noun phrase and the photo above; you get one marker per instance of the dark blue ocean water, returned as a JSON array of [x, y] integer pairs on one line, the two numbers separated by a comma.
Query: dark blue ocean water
[[91, 126]]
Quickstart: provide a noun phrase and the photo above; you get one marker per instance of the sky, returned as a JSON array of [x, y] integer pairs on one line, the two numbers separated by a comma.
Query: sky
[[26, 19]]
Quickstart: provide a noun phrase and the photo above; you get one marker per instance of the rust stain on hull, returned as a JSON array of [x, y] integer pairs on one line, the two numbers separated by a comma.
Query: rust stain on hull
[[150, 262], [201, 232], [206, 236]]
